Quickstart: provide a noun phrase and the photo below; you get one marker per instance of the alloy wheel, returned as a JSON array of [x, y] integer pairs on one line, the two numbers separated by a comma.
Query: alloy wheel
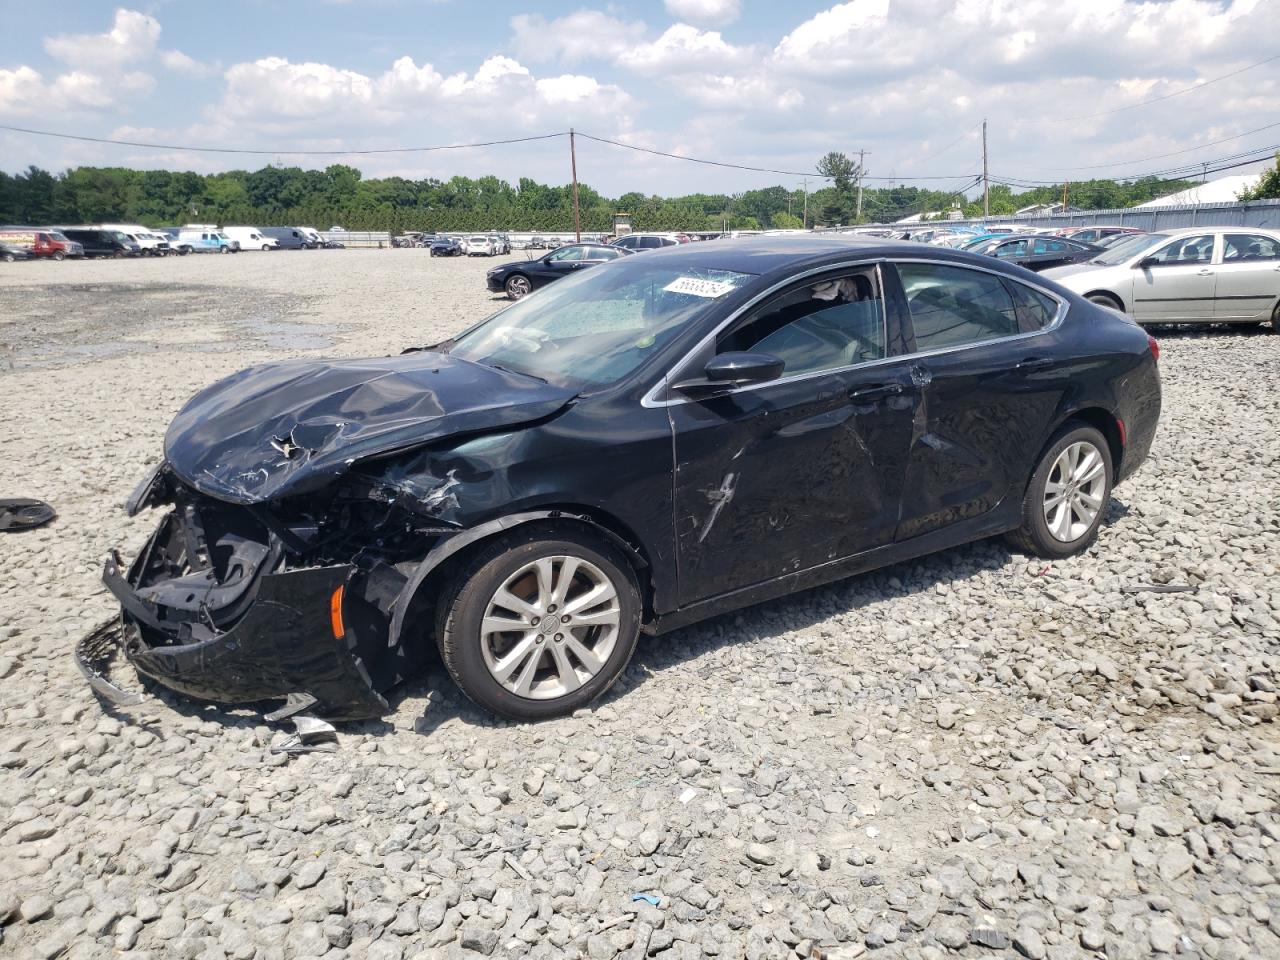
[[550, 627], [1074, 490], [517, 287]]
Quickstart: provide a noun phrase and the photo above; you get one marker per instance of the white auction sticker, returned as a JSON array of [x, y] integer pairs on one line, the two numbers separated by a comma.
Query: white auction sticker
[[697, 287]]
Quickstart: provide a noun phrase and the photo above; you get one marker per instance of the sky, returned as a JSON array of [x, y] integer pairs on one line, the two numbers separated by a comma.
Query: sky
[[1063, 84]]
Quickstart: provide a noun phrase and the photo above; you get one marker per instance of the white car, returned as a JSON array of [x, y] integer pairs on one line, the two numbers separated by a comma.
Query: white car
[[1193, 275], [479, 246], [635, 242], [251, 238]]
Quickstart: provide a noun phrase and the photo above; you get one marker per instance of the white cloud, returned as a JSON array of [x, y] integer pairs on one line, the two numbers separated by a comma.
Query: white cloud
[[583, 35], [831, 30], [716, 12], [132, 37], [179, 62], [23, 92], [683, 48]]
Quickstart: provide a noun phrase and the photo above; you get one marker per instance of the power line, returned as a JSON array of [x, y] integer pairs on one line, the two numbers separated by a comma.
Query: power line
[[1257, 155], [1161, 156], [740, 166], [939, 153], [299, 153], [1143, 103]]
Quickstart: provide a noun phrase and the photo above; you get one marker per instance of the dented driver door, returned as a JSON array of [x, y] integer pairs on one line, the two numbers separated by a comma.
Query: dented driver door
[[777, 477]]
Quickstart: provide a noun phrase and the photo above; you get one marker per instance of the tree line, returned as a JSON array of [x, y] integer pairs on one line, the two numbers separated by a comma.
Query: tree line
[[276, 196]]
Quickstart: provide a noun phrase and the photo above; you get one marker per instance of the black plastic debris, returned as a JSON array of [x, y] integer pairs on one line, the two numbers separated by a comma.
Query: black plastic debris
[[95, 656], [23, 514]]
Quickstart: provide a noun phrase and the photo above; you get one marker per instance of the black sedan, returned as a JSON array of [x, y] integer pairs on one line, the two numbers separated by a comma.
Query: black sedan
[[9, 253], [1036, 252], [445, 247], [648, 443], [524, 276]]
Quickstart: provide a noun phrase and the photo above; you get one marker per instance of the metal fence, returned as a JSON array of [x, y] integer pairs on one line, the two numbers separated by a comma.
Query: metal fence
[[1251, 213], [359, 238]]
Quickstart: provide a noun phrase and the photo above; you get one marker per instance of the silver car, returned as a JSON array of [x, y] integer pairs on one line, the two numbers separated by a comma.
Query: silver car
[[1195, 275]]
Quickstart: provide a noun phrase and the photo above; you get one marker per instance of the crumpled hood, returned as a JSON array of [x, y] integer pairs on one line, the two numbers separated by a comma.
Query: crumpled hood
[[286, 428]]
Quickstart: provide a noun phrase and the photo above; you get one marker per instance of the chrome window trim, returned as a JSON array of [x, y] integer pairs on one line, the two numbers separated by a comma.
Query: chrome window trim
[[653, 399]]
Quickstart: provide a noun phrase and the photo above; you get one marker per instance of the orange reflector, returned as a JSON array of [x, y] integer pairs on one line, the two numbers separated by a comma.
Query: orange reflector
[[335, 614]]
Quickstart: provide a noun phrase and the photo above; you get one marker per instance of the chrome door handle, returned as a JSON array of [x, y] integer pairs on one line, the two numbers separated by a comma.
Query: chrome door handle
[[878, 392], [1206, 273]]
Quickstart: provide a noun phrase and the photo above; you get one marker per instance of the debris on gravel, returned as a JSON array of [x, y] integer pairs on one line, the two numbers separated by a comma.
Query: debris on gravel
[[968, 755]]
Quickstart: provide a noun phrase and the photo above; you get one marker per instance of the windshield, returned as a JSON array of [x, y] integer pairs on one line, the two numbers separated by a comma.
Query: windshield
[[60, 238], [123, 238], [595, 327], [1129, 249]]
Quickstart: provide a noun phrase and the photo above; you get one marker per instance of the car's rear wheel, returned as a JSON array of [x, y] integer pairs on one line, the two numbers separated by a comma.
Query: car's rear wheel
[[518, 286], [1066, 499], [1275, 318], [541, 623], [1105, 300], [9, 258]]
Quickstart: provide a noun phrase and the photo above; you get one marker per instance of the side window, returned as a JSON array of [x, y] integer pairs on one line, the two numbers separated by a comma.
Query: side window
[[1034, 310], [1049, 246], [952, 306], [566, 253], [1242, 247], [832, 323], [1198, 249], [1014, 248]]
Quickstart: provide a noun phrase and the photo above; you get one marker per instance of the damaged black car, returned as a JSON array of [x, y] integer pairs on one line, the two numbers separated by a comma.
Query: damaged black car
[[642, 445]]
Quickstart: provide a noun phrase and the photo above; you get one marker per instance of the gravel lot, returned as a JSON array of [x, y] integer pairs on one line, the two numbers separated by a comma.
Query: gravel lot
[[971, 755]]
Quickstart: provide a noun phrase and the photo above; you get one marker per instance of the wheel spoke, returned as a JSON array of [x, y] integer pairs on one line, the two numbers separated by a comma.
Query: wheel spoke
[[503, 669], [1089, 502], [588, 657], [1060, 524], [1085, 465], [524, 685], [568, 567], [569, 678], [592, 598], [509, 601], [1093, 473], [608, 617], [546, 571], [503, 625]]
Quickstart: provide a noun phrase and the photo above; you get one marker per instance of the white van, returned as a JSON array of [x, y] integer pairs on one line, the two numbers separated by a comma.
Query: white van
[[149, 242], [313, 236], [251, 238]]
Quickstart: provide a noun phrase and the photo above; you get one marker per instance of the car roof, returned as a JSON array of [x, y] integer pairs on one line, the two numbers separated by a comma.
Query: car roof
[[769, 254]]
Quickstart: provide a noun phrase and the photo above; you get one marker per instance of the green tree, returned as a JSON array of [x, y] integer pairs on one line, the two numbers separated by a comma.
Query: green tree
[[1268, 188]]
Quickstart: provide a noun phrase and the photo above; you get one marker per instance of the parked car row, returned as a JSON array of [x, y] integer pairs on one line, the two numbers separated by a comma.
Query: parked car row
[[134, 240]]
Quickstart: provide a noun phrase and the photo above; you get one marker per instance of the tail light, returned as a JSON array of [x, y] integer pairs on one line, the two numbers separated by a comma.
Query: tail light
[[1154, 344]]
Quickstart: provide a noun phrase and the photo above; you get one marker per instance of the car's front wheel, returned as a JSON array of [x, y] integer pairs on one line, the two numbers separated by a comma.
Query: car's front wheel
[[541, 623], [1275, 318], [1066, 500], [518, 286]]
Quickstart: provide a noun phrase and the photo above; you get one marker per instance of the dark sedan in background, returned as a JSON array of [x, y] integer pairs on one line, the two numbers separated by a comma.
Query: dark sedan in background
[[1037, 252], [524, 276], [642, 445], [445, 247]]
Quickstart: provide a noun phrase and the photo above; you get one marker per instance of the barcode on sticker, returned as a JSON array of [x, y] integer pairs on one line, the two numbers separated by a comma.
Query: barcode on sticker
[[697, 287]]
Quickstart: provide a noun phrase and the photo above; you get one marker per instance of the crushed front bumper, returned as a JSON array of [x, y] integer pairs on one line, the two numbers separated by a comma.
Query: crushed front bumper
[[302, 633]]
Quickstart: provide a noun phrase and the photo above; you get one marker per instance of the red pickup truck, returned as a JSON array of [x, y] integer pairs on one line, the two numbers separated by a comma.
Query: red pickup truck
[[41, 242]]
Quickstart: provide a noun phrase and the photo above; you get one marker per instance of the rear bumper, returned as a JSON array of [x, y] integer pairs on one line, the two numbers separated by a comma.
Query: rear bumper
[[291, 632]]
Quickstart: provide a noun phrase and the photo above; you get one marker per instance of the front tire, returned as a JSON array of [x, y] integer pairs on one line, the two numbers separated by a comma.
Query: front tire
[[540, 623], [59, 255], [1275, 318], [518, 286], [1067, 497], [1105, 300]]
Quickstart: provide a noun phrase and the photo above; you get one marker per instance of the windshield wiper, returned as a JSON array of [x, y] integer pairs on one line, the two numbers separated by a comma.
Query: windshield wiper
[[518, 373]]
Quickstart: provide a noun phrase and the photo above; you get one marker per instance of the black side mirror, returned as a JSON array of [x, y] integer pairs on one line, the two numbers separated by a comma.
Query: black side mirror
[[1146, 263], [738, 368]]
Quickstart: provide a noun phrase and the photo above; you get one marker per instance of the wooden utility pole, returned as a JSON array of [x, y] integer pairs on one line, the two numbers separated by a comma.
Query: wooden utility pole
[[805, 220], [1064, 195], [862, 156], [986, 183], [573, 163]]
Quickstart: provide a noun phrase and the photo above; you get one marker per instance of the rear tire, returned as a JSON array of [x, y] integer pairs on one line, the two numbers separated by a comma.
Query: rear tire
[[548, 666], [1066, 499], [1275, 318], [1105, 300]]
